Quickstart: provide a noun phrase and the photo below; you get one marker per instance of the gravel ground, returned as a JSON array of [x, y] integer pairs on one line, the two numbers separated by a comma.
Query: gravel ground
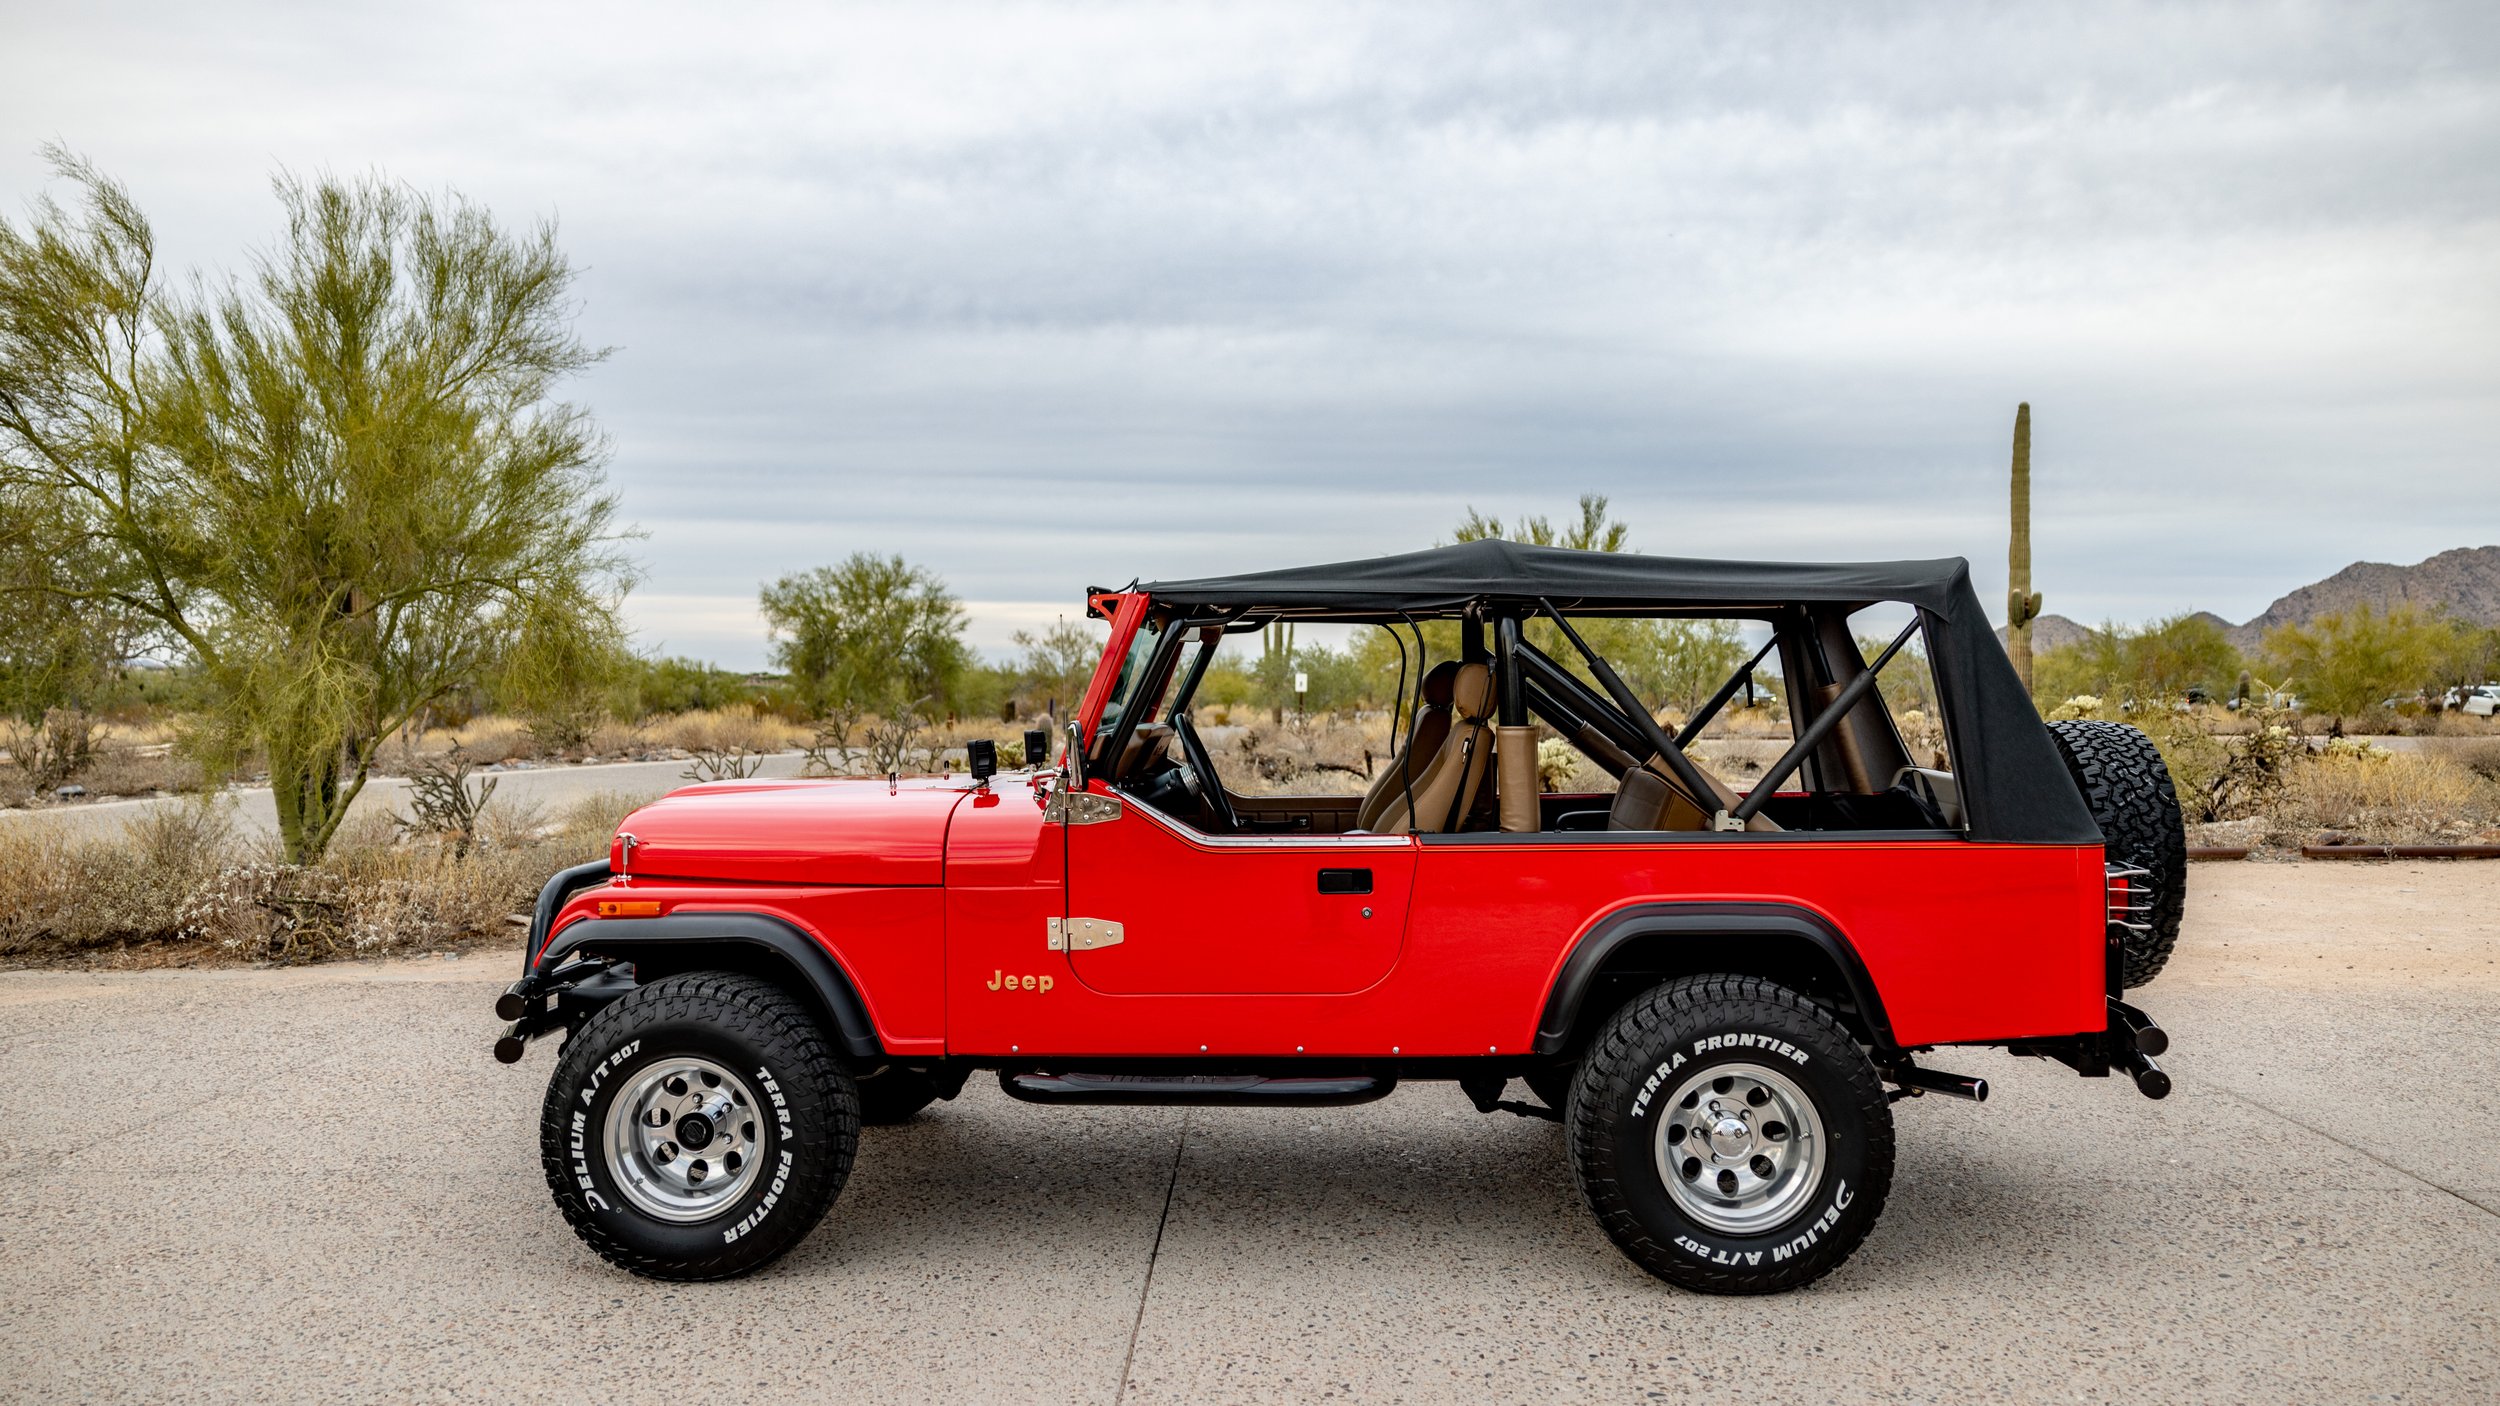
[[315, 1184]]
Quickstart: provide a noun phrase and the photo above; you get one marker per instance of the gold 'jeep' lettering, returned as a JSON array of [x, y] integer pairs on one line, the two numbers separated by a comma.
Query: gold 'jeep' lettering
[[1001, 981]]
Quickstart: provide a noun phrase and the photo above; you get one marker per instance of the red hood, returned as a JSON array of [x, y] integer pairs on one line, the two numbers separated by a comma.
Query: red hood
[[794, 832]]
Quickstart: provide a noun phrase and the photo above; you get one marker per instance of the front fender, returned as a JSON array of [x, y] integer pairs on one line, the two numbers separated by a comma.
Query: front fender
[[742, 939]]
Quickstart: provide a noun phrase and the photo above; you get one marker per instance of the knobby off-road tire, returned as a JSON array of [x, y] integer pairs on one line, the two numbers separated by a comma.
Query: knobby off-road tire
[[2127, 788], [723, 1070], [1773, 1189], [894, 1095]]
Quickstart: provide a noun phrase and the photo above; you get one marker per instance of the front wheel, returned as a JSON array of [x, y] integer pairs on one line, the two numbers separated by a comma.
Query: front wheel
[[1730, 1136], [698, 1127]]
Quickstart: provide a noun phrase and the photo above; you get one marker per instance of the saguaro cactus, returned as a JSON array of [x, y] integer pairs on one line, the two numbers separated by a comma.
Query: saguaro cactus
[[2022, 604]]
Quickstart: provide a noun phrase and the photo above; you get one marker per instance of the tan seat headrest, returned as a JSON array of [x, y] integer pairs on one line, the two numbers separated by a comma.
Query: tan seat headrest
[[1439, 681]]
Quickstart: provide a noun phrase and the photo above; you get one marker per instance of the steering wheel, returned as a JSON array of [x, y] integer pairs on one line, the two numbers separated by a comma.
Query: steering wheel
[[1210, 790]]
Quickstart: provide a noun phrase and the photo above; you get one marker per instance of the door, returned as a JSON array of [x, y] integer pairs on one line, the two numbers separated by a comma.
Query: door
[[1230, 915]]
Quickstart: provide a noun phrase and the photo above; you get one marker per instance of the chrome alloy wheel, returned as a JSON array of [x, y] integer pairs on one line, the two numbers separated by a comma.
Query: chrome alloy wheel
[[682, 1140], [1740, 1148]]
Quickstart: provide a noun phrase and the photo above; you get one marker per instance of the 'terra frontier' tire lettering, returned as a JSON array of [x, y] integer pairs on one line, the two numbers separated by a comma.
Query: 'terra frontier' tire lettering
[[2127, 788], [698, 1127], [1730, 1136]]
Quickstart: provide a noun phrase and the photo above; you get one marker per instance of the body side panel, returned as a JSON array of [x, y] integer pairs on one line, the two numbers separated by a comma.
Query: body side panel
[[890, 942]]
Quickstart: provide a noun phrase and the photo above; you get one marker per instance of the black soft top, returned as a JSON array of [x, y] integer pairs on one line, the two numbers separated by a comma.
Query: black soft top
[[1590, 582], [2014, 786]]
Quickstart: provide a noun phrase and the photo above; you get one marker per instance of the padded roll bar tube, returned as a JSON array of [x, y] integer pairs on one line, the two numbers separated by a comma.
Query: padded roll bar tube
[[1629, 702], [1830, 718]]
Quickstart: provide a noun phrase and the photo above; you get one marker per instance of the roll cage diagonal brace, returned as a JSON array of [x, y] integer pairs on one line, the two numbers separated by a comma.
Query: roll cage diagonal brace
[[1822, 726], [1663, 746], [1741, 678]]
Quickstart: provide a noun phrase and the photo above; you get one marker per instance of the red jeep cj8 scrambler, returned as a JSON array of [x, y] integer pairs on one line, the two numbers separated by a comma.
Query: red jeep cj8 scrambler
[[1711, 989]]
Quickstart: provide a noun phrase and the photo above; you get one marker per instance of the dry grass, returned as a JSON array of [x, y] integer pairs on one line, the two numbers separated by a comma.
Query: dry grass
[[1319, 756], [172, 880], [2388, 798]]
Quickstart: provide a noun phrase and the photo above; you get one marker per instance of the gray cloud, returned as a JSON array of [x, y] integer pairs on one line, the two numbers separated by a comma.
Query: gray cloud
[[1053, 295]]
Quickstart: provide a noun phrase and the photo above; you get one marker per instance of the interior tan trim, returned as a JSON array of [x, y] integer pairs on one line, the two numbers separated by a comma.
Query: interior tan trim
[[1515, 781]]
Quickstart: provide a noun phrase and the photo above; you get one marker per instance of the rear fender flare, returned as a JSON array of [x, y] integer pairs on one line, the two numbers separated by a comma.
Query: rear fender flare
[[1617, 930], [812, 970]]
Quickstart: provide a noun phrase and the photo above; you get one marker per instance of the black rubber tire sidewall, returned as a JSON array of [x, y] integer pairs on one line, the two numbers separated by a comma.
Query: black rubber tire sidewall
[[2127, 787], [1624, 1095], [806, 1146]]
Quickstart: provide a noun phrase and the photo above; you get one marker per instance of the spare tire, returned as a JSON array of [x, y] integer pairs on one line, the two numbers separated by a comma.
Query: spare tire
[[2127, 787]]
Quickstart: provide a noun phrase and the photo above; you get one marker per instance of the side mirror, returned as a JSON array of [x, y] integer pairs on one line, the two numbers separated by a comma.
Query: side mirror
[[1072, 762]]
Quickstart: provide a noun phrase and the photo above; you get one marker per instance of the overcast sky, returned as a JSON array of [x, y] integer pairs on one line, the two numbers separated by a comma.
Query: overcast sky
[[1044, 296]]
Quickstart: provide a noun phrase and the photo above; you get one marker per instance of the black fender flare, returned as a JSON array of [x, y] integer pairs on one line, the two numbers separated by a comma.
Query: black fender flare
[[806, 958], [1588, 957]]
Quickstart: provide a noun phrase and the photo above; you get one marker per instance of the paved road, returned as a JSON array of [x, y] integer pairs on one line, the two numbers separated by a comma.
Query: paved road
[[316, 1185], [551, 787]]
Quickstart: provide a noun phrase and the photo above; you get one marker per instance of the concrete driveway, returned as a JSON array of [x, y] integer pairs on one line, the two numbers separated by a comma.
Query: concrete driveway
[[315, 1184]]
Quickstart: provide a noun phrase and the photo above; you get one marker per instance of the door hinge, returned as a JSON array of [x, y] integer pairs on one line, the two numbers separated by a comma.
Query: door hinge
[[1083, 934], [1080, 808]]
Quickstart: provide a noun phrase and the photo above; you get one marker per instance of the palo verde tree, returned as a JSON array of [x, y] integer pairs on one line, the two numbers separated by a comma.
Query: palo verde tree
[[2349, 662], [870, 635], [341, 486]]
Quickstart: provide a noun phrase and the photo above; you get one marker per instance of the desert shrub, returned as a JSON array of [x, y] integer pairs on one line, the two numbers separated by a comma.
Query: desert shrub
[[2479, 755], [59, 889], [52, 750], [184, 875], [442, 803], [2390, 797], [1325, 755]]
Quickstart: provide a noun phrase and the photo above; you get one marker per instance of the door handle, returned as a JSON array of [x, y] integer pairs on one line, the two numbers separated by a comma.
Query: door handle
[[1345, 881]]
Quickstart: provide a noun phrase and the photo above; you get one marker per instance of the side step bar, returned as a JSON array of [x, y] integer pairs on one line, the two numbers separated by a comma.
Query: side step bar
[[1235, 1090]]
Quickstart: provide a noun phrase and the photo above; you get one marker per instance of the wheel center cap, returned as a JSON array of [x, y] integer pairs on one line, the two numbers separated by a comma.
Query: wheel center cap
[[694, 1132], [1729, 1137]]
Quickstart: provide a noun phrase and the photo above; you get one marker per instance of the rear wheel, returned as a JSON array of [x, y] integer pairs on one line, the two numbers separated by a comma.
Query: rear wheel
[[1730, 1136], [2126, 785], [697, 1127]]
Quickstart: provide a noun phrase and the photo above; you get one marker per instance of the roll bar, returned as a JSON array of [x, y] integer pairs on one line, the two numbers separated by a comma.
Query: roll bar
[[1822, 727]]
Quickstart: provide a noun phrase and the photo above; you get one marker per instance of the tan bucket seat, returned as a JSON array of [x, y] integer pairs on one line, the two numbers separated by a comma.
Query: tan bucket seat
[[1423, 740], [1651, 800], [1447, 773]]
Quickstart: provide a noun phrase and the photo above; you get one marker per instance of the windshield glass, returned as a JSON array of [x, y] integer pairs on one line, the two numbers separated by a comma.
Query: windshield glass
[[1132, 671]]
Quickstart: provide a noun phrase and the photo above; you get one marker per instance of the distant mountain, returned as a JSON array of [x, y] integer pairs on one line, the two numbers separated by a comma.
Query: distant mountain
[[2053, 632], [2465, 582]]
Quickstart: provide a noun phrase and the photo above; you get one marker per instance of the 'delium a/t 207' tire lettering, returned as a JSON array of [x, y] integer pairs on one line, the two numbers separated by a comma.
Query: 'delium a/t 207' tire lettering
[[698, 1127], [1730, 1136]]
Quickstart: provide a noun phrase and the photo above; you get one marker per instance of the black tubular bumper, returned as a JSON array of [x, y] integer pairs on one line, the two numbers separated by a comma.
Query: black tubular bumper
[[2129, 1042], [524, 1003]]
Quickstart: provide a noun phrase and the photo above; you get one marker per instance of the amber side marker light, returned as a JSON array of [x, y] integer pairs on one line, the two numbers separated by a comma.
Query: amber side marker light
[[629, 908]]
